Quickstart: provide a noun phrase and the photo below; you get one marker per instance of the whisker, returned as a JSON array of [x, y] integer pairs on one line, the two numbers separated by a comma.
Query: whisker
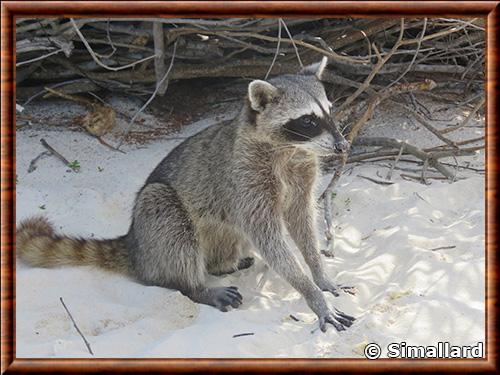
[[305, 136], [297, 133], [283, 147]]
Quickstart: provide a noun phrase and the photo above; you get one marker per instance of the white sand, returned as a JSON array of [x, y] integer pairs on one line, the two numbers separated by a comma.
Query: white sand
[[384, 240]]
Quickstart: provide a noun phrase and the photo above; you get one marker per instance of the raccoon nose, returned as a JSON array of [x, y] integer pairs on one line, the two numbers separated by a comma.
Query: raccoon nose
[[342, 146]]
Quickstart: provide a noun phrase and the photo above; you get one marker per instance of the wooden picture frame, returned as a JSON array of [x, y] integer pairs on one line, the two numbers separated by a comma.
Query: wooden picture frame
[[13, 9]]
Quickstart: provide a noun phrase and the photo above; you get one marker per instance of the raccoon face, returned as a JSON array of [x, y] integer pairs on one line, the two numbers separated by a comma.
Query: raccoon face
[[294, 110]]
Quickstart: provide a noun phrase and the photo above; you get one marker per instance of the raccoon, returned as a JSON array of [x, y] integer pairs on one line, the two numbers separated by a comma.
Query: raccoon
[[221, 192]]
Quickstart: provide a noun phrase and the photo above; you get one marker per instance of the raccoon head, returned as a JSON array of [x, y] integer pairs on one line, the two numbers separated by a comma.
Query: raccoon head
[[294, 110]]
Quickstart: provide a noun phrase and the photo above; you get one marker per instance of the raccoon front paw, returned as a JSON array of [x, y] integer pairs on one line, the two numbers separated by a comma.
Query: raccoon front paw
[[337, 318], [225, 297]]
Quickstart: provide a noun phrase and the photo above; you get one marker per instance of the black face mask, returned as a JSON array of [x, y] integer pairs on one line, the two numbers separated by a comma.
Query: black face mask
[[304, 128], [308, 127]]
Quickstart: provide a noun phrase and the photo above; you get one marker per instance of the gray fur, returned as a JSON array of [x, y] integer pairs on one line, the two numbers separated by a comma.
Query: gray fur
[[236, 186]]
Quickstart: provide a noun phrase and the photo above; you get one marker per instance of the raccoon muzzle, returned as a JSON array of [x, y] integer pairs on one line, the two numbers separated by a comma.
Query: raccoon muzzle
[[38, 245]]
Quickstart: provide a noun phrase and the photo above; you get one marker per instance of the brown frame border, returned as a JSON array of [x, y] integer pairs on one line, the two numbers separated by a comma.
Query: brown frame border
[[11, 9]]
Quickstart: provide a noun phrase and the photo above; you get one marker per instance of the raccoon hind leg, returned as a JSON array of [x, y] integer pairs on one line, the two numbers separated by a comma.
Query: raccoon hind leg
[[224, 247], [245, 263], [242, 264], [168, 253]]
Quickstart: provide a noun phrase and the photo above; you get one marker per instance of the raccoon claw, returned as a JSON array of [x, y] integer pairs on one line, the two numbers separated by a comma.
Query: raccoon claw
[[228, 297], [328, 319], [245, 263], [345, 319], [338, 319], [348, 289]]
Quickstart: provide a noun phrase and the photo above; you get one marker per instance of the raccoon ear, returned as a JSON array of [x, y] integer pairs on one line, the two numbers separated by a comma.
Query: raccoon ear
[[315, 69], [260, 94]]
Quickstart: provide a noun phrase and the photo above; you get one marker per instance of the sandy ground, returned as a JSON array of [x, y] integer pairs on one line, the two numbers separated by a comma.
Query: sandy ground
[[416, 254]]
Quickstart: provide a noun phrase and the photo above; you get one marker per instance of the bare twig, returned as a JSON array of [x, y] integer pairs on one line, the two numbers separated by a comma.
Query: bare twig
[[375, 70], [96, 58], [410, 177], [277, 50], [389, 173], [375, 101], [294, 318], [352, 133], [244, 334], [104, 143], [21, 63], [58, 155], [329, 53], [421, 119], [150, 98], [439, 34], [159, 44], [414, 56], [33, 165], [464, 123], [87, 344], [424, 171], [420, 154], [327, 209], [293, 42], [443, 248], [40, 93], [379, 182], [110, 42], [73, 98]]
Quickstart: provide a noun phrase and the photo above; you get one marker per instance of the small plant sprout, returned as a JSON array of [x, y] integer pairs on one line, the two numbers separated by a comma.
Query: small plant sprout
[[41, 207], [74, 165], [100, 169]]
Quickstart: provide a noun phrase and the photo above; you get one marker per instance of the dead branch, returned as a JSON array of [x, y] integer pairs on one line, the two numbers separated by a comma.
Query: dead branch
[[73, 98], [150, 98], [87, 344], [389, 174], [420, 38], [25, 46], [96, 58], [379, 182], [58, 155], [464, 123], [277, 50], [159, 44], [293, 42], [352, 132], [212, 42], [421, 119], [375, 70], [32, 167], [431, 157], [328, 53]]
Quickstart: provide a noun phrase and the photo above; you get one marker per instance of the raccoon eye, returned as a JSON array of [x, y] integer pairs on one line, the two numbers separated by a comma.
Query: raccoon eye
[[308, 122]]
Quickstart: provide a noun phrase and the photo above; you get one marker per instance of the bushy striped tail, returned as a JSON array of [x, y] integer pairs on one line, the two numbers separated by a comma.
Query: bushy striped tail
[[38, 245]]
